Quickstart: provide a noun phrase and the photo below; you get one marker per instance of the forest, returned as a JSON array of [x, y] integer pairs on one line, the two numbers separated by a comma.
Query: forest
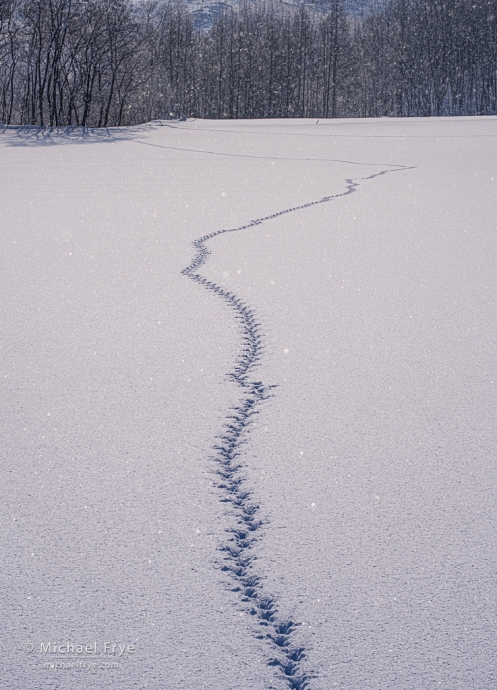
[[100, 63]]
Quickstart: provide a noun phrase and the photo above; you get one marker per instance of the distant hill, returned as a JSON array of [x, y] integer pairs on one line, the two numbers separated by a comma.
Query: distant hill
[[359, 6], [205, 11]]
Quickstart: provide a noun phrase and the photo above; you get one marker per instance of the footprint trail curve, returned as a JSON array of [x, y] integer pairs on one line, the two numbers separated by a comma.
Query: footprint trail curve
[[247, 520]]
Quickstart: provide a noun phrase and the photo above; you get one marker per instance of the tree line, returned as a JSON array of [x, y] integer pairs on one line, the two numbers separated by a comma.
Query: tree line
[[113, 62]]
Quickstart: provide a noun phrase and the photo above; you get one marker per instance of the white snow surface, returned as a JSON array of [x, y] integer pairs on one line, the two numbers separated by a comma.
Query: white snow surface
[[372, 462]]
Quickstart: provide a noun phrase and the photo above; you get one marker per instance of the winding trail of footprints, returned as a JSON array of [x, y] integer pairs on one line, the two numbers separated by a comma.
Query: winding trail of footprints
[[239, 558]]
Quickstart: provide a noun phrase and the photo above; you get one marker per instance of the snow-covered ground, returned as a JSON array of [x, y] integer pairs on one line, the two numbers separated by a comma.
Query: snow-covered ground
[[352, 516]]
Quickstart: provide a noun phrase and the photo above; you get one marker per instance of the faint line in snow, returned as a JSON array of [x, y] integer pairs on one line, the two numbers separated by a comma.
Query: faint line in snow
[[323, 135], [267, 158]]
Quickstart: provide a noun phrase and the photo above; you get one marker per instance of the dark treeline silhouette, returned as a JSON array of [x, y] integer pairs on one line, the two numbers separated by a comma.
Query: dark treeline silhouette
[[111, 62]]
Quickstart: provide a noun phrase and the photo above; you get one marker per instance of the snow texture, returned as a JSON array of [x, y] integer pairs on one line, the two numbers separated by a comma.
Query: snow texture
[[248, 413]]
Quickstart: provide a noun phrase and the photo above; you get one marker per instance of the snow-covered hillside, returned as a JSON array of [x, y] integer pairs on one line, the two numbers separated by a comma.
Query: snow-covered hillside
[[205, 11], [248, 385]]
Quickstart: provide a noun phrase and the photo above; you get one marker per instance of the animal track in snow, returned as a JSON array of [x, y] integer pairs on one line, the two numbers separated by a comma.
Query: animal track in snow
[[239, 557]]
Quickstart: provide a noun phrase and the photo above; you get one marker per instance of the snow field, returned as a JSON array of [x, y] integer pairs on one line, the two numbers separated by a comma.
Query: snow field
[[371, 463]]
